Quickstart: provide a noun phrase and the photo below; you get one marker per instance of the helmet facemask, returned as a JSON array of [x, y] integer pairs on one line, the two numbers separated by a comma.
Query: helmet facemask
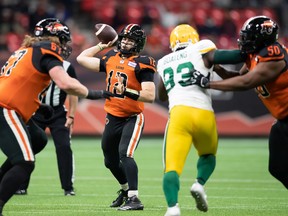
[[257, 33], [136, 33]]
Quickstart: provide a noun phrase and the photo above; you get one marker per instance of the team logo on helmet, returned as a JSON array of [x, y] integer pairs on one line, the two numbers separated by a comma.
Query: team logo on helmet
[[267, 27], [55, 27]]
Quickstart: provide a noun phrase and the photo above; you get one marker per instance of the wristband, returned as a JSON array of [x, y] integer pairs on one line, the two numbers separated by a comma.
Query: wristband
[[131, 93], [101, 48], [71, 117]]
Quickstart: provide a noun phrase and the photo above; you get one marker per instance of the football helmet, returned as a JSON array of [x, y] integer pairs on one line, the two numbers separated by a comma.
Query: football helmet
[[54, 27], [257, 33], [183, 35], [136, 33]]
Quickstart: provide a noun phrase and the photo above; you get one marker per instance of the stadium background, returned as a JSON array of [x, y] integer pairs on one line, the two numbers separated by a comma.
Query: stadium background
[[237, 113]]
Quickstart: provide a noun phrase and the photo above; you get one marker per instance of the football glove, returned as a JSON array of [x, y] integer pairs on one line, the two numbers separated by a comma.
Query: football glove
[[98, 94], [200, 80]]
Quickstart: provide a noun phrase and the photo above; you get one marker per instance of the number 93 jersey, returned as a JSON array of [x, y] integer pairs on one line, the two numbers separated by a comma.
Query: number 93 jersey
[[176, 69]]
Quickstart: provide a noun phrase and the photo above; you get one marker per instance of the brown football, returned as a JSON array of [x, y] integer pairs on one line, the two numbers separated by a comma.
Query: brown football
[[105, 33]]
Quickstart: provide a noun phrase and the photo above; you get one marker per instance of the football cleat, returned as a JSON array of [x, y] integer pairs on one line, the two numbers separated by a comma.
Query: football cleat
[[69, 192], [198, 193], [122, 197], [173, 211], [132, 203], [21, 192]]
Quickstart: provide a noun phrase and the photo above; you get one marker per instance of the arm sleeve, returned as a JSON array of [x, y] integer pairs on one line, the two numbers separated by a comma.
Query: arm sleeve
[[228, 57], [147, 75], [71, 71], [49, 61]]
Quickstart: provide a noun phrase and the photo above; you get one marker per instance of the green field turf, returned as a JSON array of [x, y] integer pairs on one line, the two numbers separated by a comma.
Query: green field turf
[[240, 185]]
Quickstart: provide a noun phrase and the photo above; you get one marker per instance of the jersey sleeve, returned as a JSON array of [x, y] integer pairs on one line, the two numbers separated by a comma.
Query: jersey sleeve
[[71, 71], [146, 68], [48, 62], [46, 55], [105, 58], [50, 48], [146, 63], [274, 52], [205, 46]]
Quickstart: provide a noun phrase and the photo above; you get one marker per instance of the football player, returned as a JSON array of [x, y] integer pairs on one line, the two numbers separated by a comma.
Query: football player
[[265, 70], [191, 116], [130, 76], [60, 125], [25, 75]]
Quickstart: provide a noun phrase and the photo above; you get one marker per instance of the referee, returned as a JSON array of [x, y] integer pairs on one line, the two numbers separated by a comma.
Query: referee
[[60, 126]]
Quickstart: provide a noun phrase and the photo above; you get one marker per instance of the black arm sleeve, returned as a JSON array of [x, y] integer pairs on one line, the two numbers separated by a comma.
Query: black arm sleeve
[[48, 62], [146, 75], [71, 71]]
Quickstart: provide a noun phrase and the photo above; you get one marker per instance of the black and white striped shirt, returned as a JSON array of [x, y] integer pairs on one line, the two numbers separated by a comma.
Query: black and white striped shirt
[[55, 96]]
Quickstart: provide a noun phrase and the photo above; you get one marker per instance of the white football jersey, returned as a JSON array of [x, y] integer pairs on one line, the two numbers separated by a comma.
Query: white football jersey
[[175, 70]]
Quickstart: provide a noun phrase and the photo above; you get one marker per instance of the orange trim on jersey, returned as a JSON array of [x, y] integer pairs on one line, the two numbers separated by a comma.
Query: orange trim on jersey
[[273, 58], [147, 66], [20, 135], [135, 138], [45, 51]]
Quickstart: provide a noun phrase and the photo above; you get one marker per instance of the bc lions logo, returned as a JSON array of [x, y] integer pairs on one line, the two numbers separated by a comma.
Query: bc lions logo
[[54, 27], [267, 27]]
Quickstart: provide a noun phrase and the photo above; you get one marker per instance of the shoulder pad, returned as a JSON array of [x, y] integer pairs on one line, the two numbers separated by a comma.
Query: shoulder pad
[[49, 48], [205, 46], [274, 52], [147, 60], [110, 53]]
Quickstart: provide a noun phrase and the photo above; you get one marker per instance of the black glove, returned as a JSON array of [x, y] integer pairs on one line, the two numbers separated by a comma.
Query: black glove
[[46, 111], [98, 94], [200, 80]]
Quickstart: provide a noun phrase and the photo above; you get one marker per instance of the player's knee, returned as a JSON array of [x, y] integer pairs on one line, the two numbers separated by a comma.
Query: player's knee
[[171, 177], [123, 155], [38, 147], [110, 164], [28, 167]]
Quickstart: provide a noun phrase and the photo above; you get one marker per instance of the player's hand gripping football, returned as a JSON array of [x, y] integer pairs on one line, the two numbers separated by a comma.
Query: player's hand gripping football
[[200, 80], [104, 46]]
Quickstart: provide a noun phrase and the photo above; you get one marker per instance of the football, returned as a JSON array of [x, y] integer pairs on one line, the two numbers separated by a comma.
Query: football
[[106, 33]]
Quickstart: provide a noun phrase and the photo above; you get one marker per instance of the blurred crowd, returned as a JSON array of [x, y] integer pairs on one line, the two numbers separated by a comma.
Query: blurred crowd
[[219, 20]]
